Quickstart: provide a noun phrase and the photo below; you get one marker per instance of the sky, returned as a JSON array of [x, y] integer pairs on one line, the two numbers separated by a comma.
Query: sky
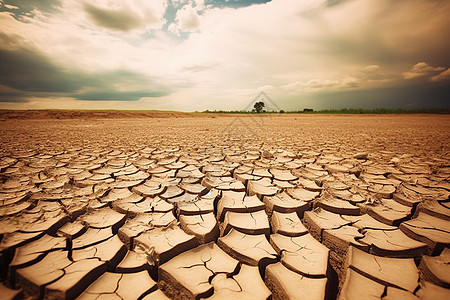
[[194, 55]]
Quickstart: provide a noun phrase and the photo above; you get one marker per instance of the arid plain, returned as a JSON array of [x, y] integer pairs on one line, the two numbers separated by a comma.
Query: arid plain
[[222, 206]]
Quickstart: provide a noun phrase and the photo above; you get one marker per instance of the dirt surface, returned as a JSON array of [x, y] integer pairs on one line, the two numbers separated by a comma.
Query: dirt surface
[[190, 206]]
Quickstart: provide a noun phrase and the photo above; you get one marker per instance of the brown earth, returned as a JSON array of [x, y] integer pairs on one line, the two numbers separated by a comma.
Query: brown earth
[[193, 205]]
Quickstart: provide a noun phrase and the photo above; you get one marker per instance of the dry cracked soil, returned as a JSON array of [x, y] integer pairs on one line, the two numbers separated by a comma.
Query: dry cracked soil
[[110, 205]]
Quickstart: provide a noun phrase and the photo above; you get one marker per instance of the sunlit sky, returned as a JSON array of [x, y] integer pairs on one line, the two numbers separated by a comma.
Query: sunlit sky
[[193, 55]]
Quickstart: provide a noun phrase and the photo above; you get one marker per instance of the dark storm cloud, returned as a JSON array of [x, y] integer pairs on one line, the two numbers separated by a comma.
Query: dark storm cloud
[[26, 72], [112, 19], [117, 95], [13, 97], [29, 71], [416, 96], [26, 7]]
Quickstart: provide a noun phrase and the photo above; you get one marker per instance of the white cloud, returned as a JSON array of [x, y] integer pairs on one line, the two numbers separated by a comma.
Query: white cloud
[[445, 75], [10, 6], [421, 69], [322, 84], [372, 68], [186, 20], [199, 4]]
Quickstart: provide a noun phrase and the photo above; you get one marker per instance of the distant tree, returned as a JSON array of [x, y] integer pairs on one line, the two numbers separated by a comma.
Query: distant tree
[[308, 110], [259, 106], [282, 111]]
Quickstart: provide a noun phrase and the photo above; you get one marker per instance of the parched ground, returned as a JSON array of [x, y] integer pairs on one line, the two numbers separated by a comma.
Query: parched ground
[[189, 205]]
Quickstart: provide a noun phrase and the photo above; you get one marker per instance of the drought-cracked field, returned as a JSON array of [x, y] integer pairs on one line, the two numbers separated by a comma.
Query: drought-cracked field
[[188, 206]]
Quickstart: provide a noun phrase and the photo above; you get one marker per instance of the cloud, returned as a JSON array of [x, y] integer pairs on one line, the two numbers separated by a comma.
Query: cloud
[[112, 19], [127, 15], [186, 20], [223, 51], [445, 75], [21, 8], [117, 95], [421, 69], [235, 3], [31, 73], [321, 84], [335, 2]]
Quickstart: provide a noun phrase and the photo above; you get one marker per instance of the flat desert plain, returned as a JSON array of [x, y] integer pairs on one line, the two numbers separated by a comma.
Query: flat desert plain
[[118, 205]]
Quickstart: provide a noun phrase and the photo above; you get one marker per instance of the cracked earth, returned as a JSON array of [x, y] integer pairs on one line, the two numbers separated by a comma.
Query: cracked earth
[[108, 206]]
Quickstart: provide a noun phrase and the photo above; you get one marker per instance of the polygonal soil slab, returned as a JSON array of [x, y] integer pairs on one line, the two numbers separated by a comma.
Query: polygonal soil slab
[[339, 239], [148, 205], [104, 218], [320, 219], [390, 212], [246, 285], [171, 191], [254, 250], [367, 222], [436, 269], [188, 275], [203, 226], [302, 194], [33, 252], [436, 209], [16, 239], [282, 175], [91, 237], [156, 295], [149, 188], [430, 291], [161, 244], [261, 188], [248, 223], [433, 231], [48, 221], [56, 277], [72, 230], [382, 190], [194, 188], [110, 251], [223, 183], [202, 204], [143, 222], [122, 286], [284, 203], [398, 272], [337, 206], [357, 287], [133, 262], [393, 293], [302, 254], [117, 194], [288, 224], [393, 243], [310, 185], [286, 284], [237, 202]]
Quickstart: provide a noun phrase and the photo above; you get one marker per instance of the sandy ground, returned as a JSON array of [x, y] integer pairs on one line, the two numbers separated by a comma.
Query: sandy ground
[[404, 134], [209, 205]]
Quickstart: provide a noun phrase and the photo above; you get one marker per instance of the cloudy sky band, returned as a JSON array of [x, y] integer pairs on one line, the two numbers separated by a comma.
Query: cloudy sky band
[[216, 54]]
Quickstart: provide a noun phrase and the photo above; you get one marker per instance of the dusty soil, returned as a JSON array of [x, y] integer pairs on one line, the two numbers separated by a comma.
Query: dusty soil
[[194, 205]]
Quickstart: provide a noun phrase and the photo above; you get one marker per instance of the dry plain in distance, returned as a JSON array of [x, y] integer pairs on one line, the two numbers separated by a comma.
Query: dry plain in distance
[[188, 206]]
